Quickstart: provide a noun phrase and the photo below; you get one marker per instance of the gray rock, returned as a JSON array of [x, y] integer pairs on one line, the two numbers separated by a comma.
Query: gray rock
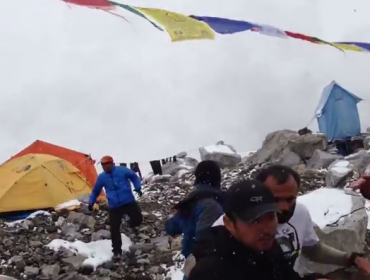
[[367, 143], [289, 158], [321, 159], [36, 244], [162, 242], [360, 161], [82, 219], [71, 276], [4, 277], [75, 261], [181, 155], [31, 271], [50, 271], [338, 172], [276, 142], [348, 235], [224, 155], [100, 235], [71, 230], [27, 224], [18, 261]]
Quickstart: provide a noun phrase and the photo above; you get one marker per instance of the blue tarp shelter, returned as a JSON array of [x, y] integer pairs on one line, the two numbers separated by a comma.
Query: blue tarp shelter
[[337, 113]]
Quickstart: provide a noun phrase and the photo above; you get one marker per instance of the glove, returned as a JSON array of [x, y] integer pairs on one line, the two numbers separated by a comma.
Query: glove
[[139, 192], [90, 207]]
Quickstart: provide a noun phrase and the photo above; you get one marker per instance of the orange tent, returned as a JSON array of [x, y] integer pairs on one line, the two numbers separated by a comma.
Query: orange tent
[[82, 161]]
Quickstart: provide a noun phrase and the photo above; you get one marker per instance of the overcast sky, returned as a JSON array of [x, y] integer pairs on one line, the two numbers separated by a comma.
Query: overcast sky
[[90, 81]]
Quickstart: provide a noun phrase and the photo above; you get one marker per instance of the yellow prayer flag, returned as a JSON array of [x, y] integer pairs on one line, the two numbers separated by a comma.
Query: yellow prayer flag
[[347, 47], [178, 26]]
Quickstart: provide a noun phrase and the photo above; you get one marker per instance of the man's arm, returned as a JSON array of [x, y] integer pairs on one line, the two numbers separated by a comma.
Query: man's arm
[[131, 175], [324, 254], [96, 190]]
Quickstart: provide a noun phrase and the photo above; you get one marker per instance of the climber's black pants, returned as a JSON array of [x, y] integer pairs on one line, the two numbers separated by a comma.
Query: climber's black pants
[[133, 211]]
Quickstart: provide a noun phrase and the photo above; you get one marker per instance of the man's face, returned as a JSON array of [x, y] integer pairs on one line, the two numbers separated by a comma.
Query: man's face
[[258, 235], [285, 195], [107, 167]]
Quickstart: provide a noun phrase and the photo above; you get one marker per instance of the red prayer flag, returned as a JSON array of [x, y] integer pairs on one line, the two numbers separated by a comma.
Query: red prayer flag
[[98, 4]]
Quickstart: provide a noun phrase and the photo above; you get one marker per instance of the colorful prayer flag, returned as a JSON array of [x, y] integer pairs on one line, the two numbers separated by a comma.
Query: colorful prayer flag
[[224, 25], [98, 4], [178, 26], [353, 46], [136, 12]]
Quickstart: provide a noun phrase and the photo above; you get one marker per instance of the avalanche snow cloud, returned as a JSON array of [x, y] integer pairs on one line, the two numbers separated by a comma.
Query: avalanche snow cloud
[[90, 81]]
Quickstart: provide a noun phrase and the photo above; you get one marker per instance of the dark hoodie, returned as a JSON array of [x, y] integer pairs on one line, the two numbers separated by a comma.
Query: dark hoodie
[[230, 259], [196, 215]]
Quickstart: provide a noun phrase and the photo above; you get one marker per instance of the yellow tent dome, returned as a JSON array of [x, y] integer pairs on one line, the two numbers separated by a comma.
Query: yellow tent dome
[[39, 181]]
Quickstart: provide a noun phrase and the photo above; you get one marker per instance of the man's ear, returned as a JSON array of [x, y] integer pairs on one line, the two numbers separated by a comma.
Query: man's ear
[[229, 224]]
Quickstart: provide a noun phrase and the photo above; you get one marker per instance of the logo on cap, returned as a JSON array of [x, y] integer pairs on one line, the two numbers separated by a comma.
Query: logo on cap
[[256, 198]]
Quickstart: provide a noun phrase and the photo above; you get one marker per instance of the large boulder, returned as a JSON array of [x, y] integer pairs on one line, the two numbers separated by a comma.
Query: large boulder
[[340, 222], [277, 143], [338, 172], [289, 158], [224, 155], [321, 159], [360, 161]]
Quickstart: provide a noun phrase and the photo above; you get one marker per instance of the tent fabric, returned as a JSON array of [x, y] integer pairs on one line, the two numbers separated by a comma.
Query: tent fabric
[[337, 114], [82, 161], [39, 181]]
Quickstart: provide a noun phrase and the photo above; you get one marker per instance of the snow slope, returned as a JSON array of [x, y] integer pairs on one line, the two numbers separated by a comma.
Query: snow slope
[[90, 81]]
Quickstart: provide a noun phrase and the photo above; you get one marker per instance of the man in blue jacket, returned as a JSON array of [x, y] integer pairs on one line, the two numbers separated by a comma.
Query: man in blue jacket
[[196, 214], [116, 181]]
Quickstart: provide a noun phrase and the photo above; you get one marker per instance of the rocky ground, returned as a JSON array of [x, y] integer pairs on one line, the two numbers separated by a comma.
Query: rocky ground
[[24, 253]]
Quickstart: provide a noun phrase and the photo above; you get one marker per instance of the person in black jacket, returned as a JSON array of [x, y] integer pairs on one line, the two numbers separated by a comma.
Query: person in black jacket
[[245, 248]]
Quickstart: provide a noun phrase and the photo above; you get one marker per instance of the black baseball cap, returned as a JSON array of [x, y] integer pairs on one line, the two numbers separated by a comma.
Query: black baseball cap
[[248, 200]]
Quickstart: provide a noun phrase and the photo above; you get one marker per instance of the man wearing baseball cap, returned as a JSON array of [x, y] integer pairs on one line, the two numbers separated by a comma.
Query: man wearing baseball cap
[[116, 181], [245, 248]]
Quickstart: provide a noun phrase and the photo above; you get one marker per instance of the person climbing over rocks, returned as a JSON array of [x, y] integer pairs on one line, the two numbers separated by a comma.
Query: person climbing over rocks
[[116, 182], [198, 211]]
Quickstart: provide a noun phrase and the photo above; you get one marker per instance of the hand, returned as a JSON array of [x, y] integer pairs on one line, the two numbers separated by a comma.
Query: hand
[[139, 192], [90, 207], [362, 184], [363, 265]]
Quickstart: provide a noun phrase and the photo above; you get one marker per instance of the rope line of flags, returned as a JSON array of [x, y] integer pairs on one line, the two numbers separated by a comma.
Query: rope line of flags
[[156, 165], [181, 27]]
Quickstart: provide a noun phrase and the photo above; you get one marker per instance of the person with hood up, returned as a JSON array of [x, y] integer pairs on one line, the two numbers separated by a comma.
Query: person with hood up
[[116, 182], [295, 231], [198, 211], [245, 248]]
